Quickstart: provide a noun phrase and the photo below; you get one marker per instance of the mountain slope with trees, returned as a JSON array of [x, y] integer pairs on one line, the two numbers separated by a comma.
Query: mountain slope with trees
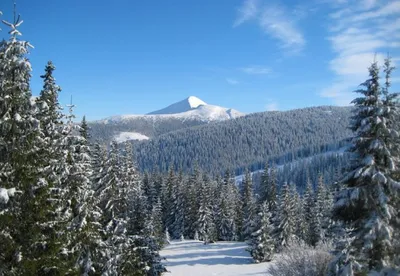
[[248, 141]]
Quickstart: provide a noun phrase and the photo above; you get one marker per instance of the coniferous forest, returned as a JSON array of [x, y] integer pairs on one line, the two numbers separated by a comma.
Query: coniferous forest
[[71, 206]]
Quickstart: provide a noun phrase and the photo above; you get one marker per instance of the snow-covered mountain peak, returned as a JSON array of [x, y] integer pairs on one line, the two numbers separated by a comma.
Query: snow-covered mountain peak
[[194, 102], [187, 104], [191, 108]]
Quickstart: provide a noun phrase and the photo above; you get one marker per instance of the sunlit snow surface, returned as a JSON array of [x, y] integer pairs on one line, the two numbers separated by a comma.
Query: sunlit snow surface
[[193, 258], [125, 136]]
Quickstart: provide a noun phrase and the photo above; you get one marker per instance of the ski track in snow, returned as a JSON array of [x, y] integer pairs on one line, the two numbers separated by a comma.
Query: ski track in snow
[[193, 258]]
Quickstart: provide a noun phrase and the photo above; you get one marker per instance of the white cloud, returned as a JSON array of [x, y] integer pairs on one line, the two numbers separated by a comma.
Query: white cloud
[[247, 11], [275, 21], [386, 10], [271, 106], [232, 81], [360, 33], [256, 70]]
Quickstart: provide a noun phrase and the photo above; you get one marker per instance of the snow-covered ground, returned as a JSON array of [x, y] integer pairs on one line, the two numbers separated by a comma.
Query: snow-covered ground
[[125, 136], [193, 258]]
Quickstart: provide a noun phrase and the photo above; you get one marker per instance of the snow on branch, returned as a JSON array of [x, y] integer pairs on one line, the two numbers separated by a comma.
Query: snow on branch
[[6, 194]]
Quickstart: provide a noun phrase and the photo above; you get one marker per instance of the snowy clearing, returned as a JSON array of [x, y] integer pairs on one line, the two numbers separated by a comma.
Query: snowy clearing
[[192, 258], [125, 136]]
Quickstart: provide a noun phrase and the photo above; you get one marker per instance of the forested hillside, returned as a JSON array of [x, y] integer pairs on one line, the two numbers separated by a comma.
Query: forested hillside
[[248, 141], [106, 130]]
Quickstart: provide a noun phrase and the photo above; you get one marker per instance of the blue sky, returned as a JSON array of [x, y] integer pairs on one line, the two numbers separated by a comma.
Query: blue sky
[[133, 57]]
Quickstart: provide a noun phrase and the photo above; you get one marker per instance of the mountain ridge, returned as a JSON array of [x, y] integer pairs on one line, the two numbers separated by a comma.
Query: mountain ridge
[[186, 113]]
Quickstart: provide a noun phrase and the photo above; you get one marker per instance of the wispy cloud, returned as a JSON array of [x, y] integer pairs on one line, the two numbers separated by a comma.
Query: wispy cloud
[[248, 10], [358, 34], [256, 70], [278, 24], [232, 81], [271, 106], [274, 20]]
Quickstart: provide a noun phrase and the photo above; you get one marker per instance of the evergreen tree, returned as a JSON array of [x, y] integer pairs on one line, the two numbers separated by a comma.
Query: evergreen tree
[[284, 223], [229, 210], [298, 215], [83, 228], [29, 239], [272, 198], [308, 203], [178, 207], [264, 185], [205, 226], [193, 188], [366, 204], [261, 244], [168, 199], [316, 231], [249, 207]]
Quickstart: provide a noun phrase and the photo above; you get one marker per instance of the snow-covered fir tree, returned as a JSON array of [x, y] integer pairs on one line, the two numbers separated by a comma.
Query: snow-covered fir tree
[[83, 227], [168, 198], [192, 196], [366, 204], [308, 208], [298, 214], [24, 161], [284, 222], [178, 207], [261, 243], [263, 191], [229, 204], [248, 207], [205, 226]]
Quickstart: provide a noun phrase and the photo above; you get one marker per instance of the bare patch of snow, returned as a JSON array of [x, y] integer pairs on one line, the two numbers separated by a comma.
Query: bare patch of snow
[[126, 136], [193, 258]]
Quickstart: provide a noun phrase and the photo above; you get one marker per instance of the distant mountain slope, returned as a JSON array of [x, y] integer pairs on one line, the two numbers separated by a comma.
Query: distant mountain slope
[[248, 141], [187, 113]]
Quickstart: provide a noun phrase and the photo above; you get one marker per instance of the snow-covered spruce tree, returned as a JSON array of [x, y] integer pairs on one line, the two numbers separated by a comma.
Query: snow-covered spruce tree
[[205, 227], [99, 157], [143, 230], [149, 190], [261, 243], [248, 207], [178, 207], [308, 208], [272, 198], [83, 228], [29, 242], [168, 198], [263, 192], [316, 233], [113, 220], [298, 214], [284, 222], [366, 203], [193, 187], [155, 224], [229, 205]]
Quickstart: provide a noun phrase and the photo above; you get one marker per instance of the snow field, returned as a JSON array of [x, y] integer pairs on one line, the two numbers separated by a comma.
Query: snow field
[[193, 258]]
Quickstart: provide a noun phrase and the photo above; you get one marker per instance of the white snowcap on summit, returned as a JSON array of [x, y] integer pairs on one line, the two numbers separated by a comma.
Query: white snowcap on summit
[[195, 102], [187, 104]]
